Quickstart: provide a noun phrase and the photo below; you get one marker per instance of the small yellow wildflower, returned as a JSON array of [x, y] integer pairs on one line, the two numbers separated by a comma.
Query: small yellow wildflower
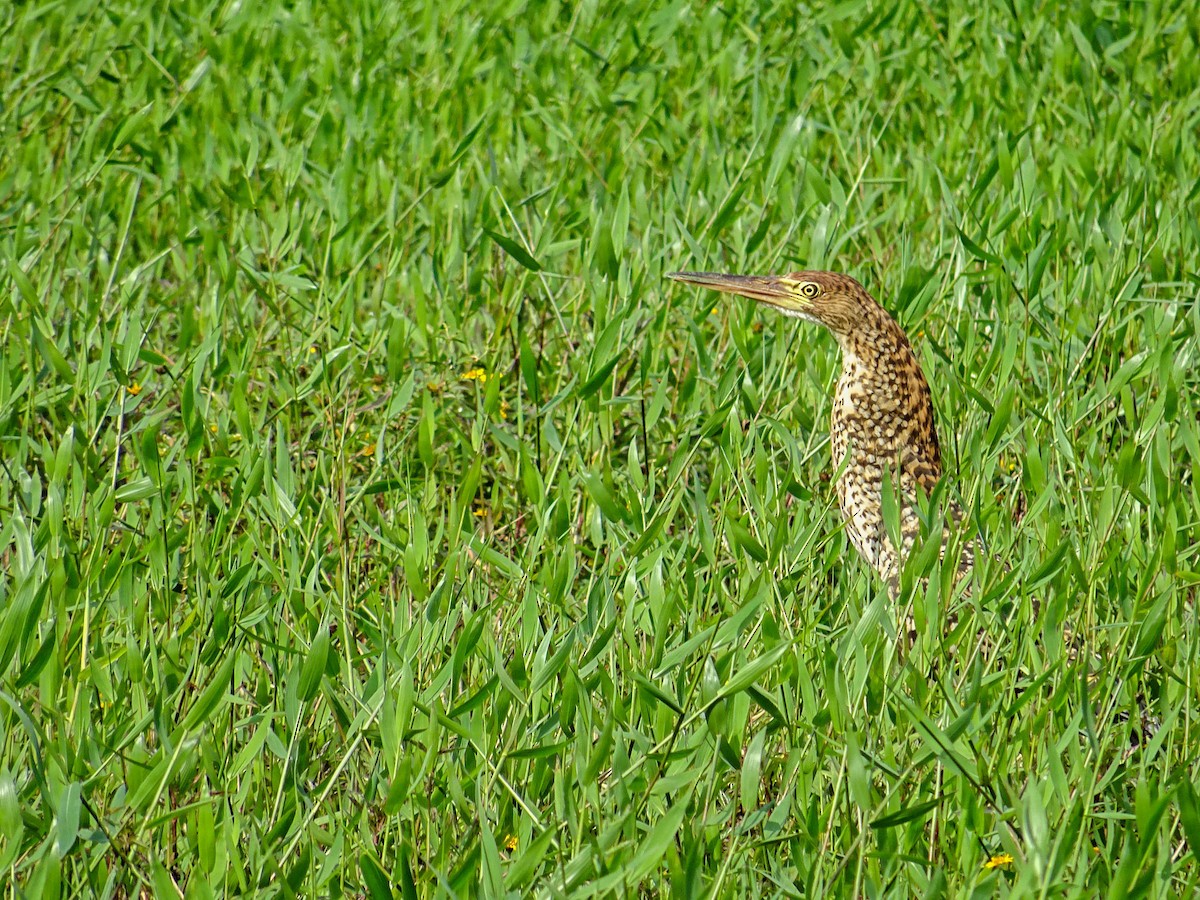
[[998, 860], [510, 843], [368, 450], [475, 375], [312, 348], [213, 428], [504, 407], [481, 511], [134, 389]]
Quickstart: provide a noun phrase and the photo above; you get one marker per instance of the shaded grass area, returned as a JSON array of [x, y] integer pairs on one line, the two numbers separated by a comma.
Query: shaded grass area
[[374, 518]]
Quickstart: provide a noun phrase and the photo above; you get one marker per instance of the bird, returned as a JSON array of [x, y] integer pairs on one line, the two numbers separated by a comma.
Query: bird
[[882, 428]]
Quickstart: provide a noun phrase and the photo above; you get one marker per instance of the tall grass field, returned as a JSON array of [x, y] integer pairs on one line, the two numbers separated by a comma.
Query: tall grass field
[[376, 520]]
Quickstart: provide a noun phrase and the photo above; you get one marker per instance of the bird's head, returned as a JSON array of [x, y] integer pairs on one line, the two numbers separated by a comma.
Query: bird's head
[[836, 301]]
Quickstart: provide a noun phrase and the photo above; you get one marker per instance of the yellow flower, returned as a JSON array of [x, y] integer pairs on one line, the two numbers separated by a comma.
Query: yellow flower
[[998, 860], [504, 409], [134, 389], [510, 843], [475, 375]]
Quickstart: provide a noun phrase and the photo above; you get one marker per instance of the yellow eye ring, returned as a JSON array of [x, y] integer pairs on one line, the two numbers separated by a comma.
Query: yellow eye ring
[[810, 290]]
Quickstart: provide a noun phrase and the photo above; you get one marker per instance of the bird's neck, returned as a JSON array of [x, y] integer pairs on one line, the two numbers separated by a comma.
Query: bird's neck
[[881, 376], [878, 346]]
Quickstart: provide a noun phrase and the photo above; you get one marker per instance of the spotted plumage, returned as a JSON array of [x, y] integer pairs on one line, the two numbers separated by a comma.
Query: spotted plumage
[[882, 424]]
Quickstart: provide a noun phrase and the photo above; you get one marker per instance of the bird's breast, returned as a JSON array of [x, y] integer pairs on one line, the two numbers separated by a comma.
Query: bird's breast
[[874, 430]]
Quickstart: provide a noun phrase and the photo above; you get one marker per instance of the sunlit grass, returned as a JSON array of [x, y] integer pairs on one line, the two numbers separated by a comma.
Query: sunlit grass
[[375, 518]]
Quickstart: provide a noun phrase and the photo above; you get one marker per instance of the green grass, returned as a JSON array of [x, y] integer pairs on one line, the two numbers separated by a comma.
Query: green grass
[[288, 606]]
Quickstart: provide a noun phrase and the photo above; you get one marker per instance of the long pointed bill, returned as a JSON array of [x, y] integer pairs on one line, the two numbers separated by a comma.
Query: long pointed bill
[[773, 290]]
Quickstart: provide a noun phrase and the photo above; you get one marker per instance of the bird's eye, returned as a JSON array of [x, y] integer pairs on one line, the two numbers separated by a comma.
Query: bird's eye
[[810, 290]]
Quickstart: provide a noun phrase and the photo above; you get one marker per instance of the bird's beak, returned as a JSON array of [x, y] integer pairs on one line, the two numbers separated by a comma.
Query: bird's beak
[[772, 290]]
